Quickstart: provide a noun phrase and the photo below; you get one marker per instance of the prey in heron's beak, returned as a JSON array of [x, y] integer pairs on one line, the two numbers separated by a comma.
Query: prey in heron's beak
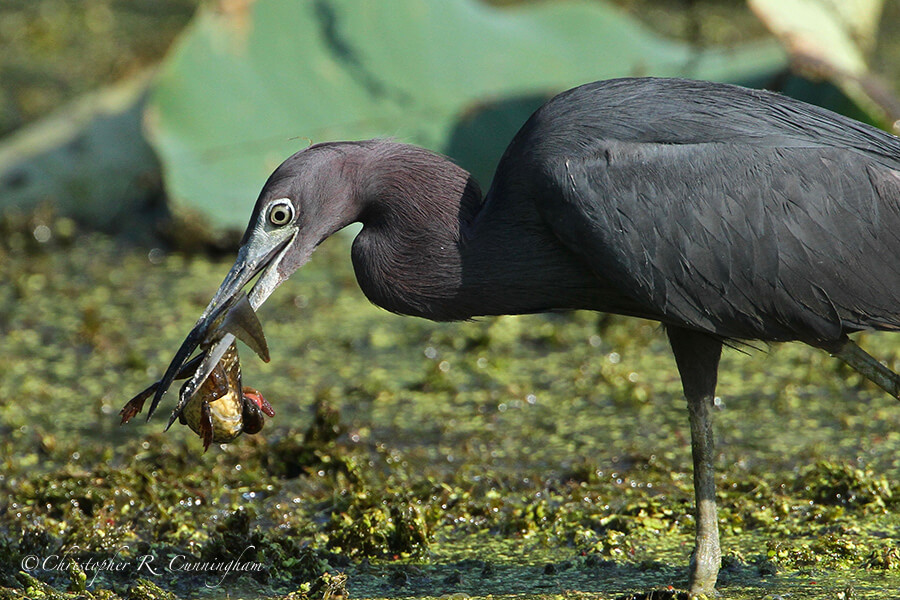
[[238, 321], [230, 314]]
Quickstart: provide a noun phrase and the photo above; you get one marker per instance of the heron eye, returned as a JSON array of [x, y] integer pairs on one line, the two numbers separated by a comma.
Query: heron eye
[[281, 213]]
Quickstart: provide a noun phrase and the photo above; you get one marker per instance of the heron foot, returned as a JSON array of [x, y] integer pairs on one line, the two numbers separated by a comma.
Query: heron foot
[[706, 558]]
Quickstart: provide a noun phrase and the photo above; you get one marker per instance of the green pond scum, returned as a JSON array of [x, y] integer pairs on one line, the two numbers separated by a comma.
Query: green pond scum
[[539, 457]]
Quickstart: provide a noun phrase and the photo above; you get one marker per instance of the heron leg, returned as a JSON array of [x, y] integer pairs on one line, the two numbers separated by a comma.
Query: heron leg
[[869, 367], [697, 357]]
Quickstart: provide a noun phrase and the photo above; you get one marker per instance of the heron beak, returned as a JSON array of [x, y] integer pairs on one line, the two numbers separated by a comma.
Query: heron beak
[[231, 313]]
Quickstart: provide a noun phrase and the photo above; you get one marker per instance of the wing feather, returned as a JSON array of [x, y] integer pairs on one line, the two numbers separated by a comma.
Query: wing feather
[[741, 240]]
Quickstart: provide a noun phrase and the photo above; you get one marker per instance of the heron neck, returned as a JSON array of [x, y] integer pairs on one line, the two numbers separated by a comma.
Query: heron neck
[[431, 248], [414, 205]]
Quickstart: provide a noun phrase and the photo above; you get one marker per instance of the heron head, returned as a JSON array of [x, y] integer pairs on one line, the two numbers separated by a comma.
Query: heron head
[[310, 196]]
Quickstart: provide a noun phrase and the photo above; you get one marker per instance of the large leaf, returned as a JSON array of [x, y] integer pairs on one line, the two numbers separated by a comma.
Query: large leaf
[[832, 39], [88, 160], [247, 87]]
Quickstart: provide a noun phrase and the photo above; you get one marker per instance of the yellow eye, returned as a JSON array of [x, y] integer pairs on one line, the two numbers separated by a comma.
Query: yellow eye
[[281, 213]]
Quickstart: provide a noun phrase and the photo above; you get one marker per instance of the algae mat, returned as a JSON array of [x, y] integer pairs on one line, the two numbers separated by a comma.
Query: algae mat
[[526, 457]]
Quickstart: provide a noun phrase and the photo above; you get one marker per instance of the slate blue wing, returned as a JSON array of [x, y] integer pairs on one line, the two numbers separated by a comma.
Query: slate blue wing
[[741, 240]]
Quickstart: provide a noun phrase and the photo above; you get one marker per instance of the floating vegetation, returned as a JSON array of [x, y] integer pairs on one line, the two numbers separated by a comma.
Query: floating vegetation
[[518, 456]]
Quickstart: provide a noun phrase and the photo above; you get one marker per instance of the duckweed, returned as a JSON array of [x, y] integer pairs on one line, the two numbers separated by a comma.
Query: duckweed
[[537, 457]]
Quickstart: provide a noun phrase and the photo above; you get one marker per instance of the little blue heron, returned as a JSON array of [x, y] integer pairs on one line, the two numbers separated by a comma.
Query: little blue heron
[[725, 213]]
